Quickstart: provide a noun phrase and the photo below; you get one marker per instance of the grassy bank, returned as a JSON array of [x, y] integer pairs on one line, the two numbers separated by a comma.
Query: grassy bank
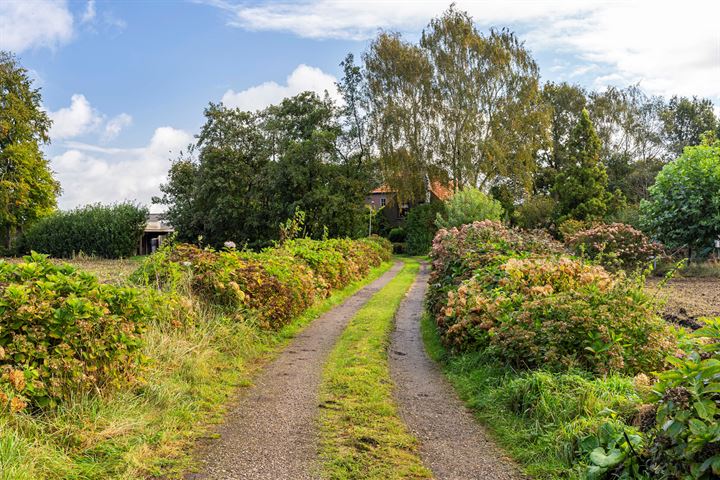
[[538, 417], [362, 434], [149, 432]]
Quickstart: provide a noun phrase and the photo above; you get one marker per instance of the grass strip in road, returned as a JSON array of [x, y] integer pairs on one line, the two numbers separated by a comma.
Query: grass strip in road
[[362, 434], [126, 435]]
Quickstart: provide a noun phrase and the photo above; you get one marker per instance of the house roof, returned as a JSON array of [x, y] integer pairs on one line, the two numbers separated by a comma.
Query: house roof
[[440, 190]]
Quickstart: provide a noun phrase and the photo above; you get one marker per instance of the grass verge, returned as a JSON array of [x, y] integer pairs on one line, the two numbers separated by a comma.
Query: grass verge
[[537, 416], [150, 433], [362, 434]]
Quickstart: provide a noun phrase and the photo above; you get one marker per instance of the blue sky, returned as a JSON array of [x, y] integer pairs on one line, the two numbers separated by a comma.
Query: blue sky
[[126, 81]]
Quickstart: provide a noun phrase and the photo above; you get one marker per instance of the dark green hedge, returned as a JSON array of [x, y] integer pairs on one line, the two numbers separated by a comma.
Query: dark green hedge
[[109, 231], [420, 227]]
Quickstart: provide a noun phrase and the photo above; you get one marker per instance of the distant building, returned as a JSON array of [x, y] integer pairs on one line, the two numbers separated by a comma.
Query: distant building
[[156, 230], [386, 198]]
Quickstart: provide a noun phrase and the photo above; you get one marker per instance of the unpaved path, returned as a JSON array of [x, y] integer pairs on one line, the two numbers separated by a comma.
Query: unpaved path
[[452, 444], [271, 433]]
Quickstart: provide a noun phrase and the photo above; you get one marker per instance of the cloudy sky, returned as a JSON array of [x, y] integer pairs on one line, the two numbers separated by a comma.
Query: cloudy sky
[[126, 81]]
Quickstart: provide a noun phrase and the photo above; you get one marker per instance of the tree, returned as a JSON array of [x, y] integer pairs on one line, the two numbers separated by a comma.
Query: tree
[[581, 187], [28, 190], [460, 106], [685, 120], [467, 206], [684, 204], [253, 170], [565, 103]]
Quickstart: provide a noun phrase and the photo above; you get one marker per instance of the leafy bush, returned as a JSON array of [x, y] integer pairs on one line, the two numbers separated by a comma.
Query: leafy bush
[[685, 442], [420, 227], [616, 246], [457, 253], [535, 212], [109, 231], [397, 235], [684, 204], [556, 313], [275, 285], [467, 206], [62, 333]]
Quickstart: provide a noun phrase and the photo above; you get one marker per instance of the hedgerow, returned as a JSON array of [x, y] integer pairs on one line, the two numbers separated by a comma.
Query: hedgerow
[[108, 231], [274, 285]]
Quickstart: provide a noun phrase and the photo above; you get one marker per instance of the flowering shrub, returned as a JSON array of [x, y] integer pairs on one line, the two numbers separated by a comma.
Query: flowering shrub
[[556, 313], [515, 294], [63, 333], [616, 246], [458, 251]]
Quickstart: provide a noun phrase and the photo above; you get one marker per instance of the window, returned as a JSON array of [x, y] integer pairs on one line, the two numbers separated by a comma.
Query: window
[[382, 202]]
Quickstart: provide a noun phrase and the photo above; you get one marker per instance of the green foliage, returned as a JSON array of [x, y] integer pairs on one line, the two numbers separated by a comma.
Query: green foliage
[[397, 235], [429, 103], [63, 334], [684, 204], [686, 438], [536, 212], [27, 188], [467, 206], [420, 227], [685, 120], [615, 246], [109, 231], [581, 187], [612, 448]]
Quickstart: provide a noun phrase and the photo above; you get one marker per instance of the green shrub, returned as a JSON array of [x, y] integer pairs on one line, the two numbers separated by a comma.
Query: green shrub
[[420, 227], [63, 334], [535, 212], [468, 206], [685, 442], [109, 231], [616, 246], [684, 204], [397, 235]]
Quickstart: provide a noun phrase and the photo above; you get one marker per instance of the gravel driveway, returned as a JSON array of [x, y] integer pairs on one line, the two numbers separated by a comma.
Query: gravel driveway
[[271, 433]]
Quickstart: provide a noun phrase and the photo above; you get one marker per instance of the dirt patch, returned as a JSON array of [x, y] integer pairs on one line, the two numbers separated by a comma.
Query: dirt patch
[[271, 433], [688, 299], [452, 444]]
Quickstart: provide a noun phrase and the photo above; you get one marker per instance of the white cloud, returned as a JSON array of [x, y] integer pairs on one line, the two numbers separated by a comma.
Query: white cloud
[[303, 78], [77, 119], [670, 47], [115, 125], [89, 173], [81, 118], [89, 13], [26, 24]]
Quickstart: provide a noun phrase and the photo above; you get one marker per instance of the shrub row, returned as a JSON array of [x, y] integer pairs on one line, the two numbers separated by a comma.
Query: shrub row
[[519, 296], [109, 231], [275, 284]]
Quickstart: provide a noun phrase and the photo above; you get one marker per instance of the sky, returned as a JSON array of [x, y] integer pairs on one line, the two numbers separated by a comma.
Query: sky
[[126, 81]]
